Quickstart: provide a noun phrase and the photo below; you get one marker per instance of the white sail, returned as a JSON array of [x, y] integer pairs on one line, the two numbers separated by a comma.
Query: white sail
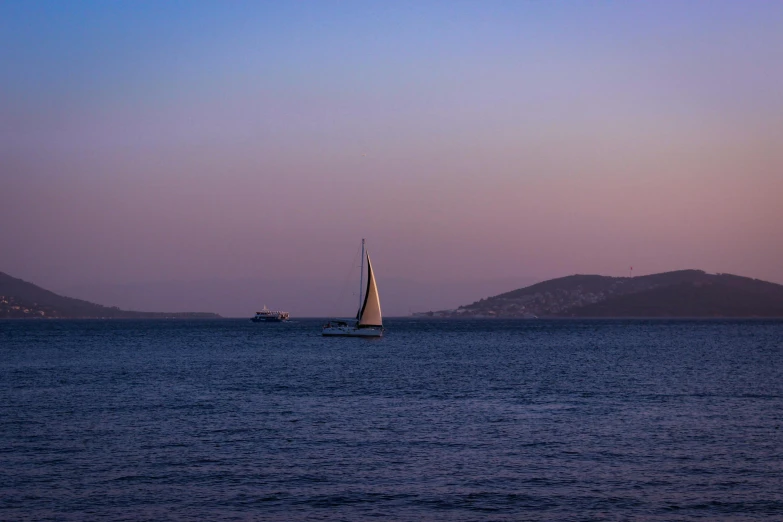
[[370, 314], [369, 321]]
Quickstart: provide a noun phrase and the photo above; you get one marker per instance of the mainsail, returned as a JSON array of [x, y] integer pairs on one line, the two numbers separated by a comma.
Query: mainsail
[[370, 313]]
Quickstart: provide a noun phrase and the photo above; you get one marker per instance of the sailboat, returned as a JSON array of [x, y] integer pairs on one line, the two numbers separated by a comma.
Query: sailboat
[[369, 321]]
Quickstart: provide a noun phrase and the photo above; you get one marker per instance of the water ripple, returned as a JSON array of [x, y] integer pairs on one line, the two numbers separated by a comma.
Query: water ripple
[[439, 420]]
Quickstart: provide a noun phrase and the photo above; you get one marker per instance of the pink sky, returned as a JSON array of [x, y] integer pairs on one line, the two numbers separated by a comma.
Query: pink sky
[[480, 151]]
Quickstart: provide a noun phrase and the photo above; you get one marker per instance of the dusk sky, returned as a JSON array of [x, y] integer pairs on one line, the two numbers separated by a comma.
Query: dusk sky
[[170, 144]]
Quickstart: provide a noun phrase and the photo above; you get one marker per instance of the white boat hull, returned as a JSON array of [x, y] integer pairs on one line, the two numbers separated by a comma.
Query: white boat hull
[[350, 331]]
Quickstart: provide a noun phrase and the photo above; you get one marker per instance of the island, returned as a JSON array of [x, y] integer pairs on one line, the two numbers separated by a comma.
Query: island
[[22, 300], [681, 293]]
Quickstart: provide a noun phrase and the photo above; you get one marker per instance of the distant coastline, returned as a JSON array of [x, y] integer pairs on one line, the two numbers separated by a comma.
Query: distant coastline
[[22, 300], [683, 294], [680, 294]]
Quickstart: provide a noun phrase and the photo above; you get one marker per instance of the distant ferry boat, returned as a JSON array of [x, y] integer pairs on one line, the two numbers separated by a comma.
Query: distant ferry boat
[[267, 315]]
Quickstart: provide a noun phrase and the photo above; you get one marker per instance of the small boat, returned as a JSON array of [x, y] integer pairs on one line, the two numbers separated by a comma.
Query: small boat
[[369, 321], [271, 316]]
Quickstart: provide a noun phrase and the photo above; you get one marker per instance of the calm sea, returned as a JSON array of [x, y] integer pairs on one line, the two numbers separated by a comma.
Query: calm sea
[[439, 420]]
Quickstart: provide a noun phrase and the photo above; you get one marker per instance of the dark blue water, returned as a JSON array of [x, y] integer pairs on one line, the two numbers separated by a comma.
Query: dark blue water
[[439, 420]]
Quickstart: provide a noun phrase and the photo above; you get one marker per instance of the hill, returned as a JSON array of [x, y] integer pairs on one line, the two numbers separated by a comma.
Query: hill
[[20, 299], [683, 293]]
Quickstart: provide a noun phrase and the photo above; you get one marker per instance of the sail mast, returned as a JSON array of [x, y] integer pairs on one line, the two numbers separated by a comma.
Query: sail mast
[[361, 286]]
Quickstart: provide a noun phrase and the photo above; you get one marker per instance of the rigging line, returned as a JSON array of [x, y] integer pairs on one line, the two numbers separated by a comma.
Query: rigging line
[[344, 286]]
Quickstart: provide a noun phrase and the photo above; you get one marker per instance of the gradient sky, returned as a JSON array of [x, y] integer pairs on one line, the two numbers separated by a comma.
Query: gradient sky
[[192, 141]]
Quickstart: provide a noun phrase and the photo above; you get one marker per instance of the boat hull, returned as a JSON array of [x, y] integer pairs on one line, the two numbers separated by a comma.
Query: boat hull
[[347, 331], [268, 319]]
